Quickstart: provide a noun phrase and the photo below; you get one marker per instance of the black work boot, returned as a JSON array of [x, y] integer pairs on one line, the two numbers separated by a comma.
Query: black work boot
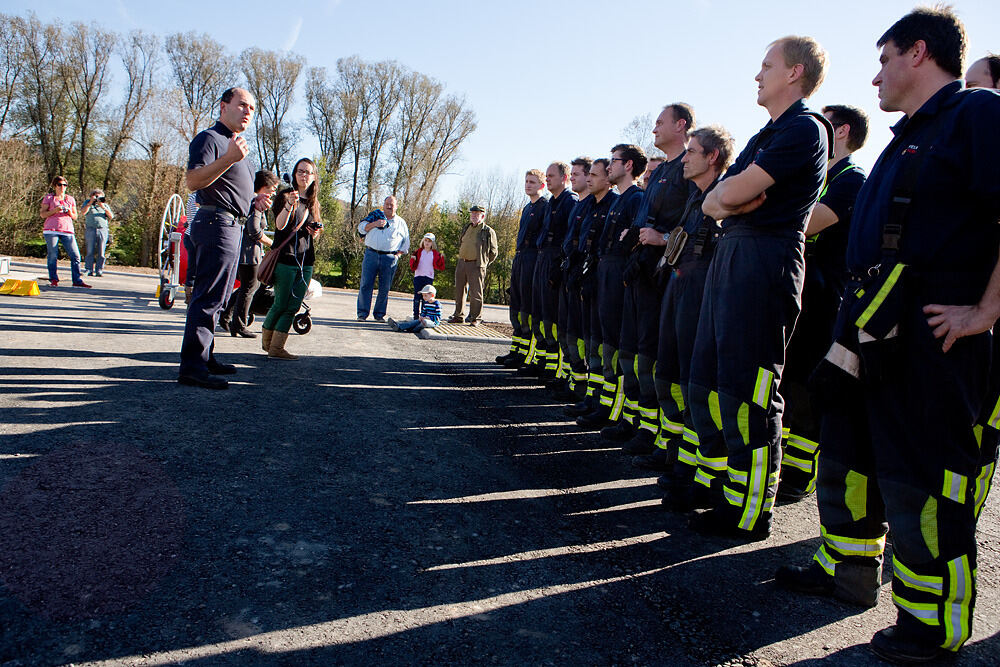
[[903, 646], [515, 361], [620, 432], [793, 485], [534, 370], [719, 523], [656, 461], [504, 358], [641, 444], [595, 419], [581, 408]]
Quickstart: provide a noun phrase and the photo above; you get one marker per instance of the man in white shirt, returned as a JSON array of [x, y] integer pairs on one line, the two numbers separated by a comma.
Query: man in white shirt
[[386, 238]]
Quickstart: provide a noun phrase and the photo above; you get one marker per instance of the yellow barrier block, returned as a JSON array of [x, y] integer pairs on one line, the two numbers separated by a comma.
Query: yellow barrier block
[[157, 295], [27, 288], [9, 286]]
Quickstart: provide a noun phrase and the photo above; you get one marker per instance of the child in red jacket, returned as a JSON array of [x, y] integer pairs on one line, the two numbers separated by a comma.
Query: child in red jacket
[[424, 263]]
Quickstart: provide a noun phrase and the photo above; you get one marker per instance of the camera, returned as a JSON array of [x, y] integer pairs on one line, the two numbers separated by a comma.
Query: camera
[[102, 199], [313, 224]]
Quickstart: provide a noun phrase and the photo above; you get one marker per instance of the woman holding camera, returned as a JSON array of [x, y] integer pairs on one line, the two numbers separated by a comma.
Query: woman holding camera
[[297, 215], [59, 211], [97, 215]]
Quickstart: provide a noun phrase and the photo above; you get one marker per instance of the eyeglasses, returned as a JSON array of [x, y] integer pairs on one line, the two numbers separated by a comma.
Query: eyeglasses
[[612, 159], [304, 172], [61, 184]]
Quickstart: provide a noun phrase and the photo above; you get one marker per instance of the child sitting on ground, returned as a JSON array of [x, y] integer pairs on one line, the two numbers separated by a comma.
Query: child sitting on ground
[[430, 313], [424, 263]]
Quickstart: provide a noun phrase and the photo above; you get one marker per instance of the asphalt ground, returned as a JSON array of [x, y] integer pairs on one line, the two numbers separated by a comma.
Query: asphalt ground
[[386, 499]]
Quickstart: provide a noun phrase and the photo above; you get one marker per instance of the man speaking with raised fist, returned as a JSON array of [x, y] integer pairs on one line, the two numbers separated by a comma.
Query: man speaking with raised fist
[[222, 176]]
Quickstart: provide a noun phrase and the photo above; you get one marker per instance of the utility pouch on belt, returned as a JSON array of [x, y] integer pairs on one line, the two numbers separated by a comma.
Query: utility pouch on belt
[[878, 301]]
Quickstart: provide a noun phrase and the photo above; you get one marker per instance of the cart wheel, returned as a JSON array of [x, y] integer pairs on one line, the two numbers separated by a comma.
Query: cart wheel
[[166, 297], [302, 324], [249, 319]]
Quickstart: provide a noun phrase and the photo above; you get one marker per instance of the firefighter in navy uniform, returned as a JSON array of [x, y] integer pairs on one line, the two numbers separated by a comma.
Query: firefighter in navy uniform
[[522, 268], [826, 278], [625, 166], [583, 279], [545, 293], [662, 205], [572, 381], [752, 293], [905, 381], [688, 256]]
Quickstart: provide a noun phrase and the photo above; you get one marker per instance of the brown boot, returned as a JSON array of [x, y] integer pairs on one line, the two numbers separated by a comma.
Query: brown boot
[[277, 349], [265, 338]]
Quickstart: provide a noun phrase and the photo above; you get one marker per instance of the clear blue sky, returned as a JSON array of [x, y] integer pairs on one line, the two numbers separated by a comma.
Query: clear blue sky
[[552, 81]]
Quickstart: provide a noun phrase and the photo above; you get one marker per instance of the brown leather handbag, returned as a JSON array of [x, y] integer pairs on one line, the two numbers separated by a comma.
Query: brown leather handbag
[[265, 270]]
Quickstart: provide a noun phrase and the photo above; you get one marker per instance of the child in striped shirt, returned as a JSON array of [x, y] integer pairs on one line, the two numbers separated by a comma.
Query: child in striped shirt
[[430, 313]]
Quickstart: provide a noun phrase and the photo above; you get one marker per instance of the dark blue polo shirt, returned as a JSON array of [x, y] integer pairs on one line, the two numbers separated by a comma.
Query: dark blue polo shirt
[[827, 254], [531, 222], [593, 223], [665, 196], [952, 220], [693, 219], [556, 219], [793, 150], [233, 190], [576, 218], [620, 216]]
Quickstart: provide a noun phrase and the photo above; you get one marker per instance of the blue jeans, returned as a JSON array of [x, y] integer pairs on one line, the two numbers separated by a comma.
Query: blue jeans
[[418, 283], [413, 325], [52, 241], [375, 265], [95, 239]]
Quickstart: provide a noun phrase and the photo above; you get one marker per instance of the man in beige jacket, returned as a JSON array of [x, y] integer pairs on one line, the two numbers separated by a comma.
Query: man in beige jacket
[[477, 248]]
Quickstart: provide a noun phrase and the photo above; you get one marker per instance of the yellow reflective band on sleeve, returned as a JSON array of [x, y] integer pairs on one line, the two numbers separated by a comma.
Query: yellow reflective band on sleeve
[[844, 359], [928, 526], [955, 486], [795, 462], [703, 478], [733, 497], [677, 395], [880, 296], [762, 388], [983, 482], [802, 444], [714, 409], [958, 604], [825, 560], [853, 546], [916, 581], [686, 457], [925, 612], [581, 348], [743, 422], [856, 494], [994, 419], [716, 464], [756, 489], [691, 436]]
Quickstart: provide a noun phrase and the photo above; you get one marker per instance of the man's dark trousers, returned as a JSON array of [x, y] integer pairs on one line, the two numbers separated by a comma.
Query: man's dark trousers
[[216, 243]]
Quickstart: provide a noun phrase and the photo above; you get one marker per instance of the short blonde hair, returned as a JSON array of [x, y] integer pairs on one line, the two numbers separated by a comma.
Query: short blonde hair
[[807, 52], [537, 173]]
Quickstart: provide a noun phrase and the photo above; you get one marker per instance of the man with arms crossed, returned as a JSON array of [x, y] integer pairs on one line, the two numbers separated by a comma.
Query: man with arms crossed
[[752, 293]]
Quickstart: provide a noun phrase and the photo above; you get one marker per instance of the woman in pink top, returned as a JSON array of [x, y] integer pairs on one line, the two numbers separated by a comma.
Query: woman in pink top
[[424, 263], [59, 211]]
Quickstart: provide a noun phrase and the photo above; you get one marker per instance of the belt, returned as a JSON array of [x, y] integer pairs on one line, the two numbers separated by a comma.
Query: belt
[[381, 252], [469, 260], [220, 209]]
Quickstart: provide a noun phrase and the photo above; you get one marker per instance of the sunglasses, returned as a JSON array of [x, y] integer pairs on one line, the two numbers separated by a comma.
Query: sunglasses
[[61, 184]]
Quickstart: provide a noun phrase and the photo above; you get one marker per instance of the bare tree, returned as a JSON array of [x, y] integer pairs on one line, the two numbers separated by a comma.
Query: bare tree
[[639, 131], [11, 67], [140, 57], [202, 70], [83, 65], [271, 78], [329, 118], [45, 107], [420, 95], [384, 93]]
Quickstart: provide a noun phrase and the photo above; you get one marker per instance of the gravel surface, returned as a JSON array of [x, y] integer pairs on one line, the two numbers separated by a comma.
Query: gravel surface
[[384, 500]]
